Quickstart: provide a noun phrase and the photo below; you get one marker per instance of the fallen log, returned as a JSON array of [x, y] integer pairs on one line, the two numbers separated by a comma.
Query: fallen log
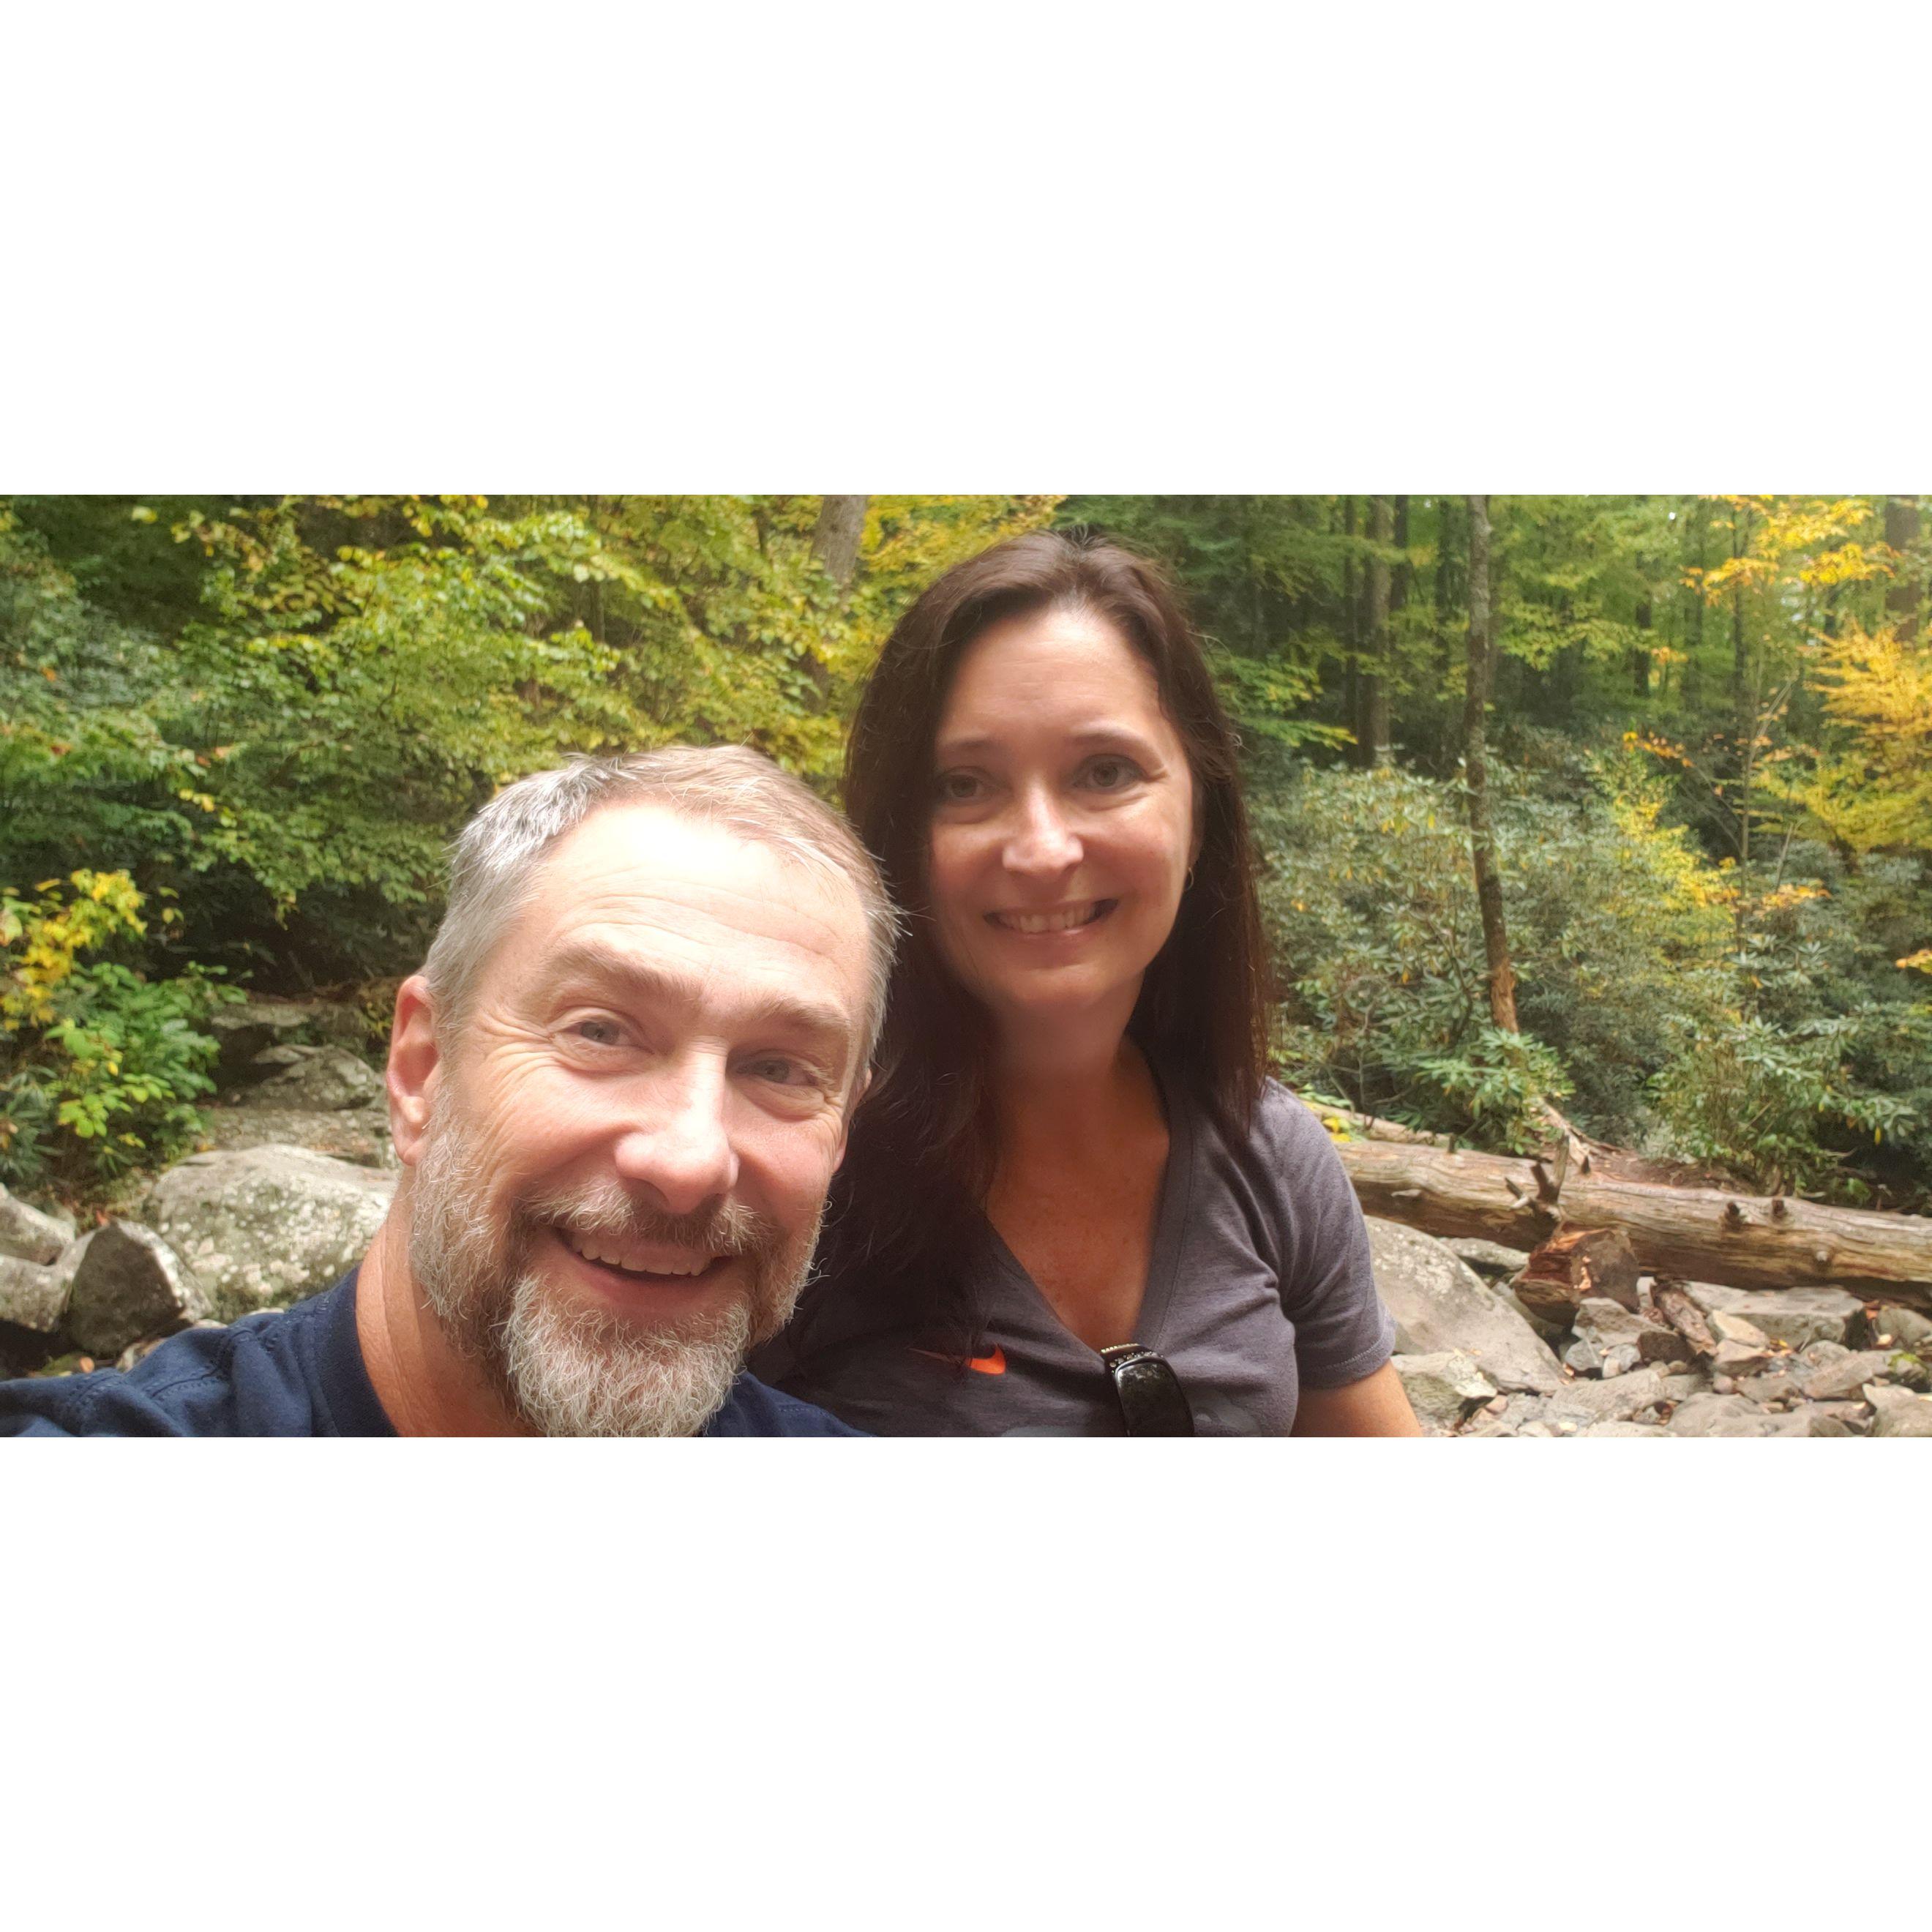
[[1700, 1233]]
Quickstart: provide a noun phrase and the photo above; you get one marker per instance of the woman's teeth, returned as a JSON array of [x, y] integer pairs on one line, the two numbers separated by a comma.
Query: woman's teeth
[[1062, 918]]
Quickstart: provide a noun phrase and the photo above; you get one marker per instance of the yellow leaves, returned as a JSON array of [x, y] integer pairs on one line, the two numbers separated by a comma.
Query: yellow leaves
[[200, 798], [141, 514], [1916, 962], [42, 939]]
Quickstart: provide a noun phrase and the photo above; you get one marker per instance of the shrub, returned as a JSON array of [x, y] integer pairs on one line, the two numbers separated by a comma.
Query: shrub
[[99, 1066]]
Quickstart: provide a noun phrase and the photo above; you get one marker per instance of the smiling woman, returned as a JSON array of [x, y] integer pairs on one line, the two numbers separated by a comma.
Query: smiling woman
[[1072, 1204]]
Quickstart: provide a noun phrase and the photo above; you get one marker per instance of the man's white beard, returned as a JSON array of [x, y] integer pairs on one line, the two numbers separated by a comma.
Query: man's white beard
[[571, 1371]]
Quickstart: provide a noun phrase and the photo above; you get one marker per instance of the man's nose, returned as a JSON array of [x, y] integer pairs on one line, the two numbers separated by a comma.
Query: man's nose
[[677, 1145], [1043, 840]]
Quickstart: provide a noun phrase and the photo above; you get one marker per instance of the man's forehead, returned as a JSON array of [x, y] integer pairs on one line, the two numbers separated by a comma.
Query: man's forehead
[[698, 888]]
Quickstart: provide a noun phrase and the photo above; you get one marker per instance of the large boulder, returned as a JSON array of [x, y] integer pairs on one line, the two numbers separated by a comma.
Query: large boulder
[[244, 1029], [311, 1080], [266, 1226], [130, 1285], [1722, 1415], [1792, 1315], [27, 1234], [1439, 1302], [1443, 1388], [35, 1298], [359, 1134], [1897, 1411]]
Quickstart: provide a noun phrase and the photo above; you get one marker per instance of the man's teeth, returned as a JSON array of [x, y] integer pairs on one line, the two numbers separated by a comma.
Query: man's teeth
[[594, 1248], [1062, 920]]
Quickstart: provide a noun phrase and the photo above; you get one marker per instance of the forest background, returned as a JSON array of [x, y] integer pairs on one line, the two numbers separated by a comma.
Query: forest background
[[237, 732]]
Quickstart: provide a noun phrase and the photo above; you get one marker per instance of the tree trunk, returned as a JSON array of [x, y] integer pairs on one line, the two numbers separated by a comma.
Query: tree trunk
[[1699, 1233], [1475, 767], [1376, 678], [1901, 533], [835, 537]]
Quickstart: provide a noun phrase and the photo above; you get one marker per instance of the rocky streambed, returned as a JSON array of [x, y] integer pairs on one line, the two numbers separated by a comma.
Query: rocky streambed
[[298, 1171]]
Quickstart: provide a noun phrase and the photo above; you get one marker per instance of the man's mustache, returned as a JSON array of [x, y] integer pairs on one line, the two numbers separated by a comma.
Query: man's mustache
[[606, 1207]]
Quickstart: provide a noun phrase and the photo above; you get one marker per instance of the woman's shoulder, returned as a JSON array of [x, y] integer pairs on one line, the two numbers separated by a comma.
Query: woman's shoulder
[[1283, 1128]]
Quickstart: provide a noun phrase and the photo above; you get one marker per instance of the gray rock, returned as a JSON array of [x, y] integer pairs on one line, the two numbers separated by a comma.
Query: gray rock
[[1443, 1387], [1625, 1429], [1836, 1381], [245, 1030], [29, 1234], [1897, 1411], [1795, 1316], [1663, 1344], [1739, 1359], [130, 1285], [269, 1226], [1439, 1302], [358, 1135], [1489, 1258], [311, 1079], [1624, 1399], [1607, 1325], [1777, 1383], [1905, 1328], [32, 1297], [1728, 1327], [1621, 1360], [1582, 1358], [1825, 1418], [1720, 1415]]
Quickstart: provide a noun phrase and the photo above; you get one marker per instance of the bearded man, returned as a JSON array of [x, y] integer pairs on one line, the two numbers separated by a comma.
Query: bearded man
[[618, 1088]]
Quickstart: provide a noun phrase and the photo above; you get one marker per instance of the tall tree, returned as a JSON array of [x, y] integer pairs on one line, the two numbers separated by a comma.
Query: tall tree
[[1475, 748], [1376, 676], [835, 536], [1901, 534]]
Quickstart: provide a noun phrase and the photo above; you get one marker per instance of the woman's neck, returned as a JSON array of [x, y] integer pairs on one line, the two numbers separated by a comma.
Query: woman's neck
[[1078, 1094]]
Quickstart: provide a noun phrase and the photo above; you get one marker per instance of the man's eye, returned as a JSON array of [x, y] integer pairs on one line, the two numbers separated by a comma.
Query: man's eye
[[782, 1071], [1112, 774], [597, 1032]]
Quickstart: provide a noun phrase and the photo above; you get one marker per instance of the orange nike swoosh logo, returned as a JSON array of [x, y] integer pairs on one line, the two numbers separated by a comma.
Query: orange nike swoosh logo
[[994, 1364]]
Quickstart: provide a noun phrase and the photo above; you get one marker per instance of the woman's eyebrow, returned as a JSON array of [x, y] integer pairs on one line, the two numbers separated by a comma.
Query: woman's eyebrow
[[967, 744]]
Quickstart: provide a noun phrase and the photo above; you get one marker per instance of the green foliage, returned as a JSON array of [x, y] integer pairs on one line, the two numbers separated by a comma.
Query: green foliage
[[1762, 1100], [99, 1066], [1503, 1081], [265, 716]]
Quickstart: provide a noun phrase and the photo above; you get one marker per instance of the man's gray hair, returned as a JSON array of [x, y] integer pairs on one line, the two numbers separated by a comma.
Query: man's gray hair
[[497, 856]]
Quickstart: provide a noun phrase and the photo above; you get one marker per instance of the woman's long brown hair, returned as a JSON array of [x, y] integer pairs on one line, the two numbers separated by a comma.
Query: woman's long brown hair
[[905, 1221]]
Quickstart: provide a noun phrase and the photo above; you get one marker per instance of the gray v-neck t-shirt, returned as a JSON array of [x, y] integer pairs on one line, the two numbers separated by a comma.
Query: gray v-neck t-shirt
[[1259, 1284]]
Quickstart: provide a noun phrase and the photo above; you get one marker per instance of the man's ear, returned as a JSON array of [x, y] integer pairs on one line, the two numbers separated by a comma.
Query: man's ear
[[415, 1067]]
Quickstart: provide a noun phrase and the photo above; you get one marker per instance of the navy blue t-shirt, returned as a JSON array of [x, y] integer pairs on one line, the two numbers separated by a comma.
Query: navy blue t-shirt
[[290, 1372]]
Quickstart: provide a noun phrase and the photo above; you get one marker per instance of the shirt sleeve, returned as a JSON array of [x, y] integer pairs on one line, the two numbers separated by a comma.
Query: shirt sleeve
[[1342, 1330]]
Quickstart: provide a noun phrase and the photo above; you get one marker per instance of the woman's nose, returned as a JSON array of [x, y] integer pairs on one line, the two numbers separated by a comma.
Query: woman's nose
[[1043, 840]]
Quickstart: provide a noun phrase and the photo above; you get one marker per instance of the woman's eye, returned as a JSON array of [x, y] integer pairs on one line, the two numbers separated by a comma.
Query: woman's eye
[[956, 787], [1111, 774]]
